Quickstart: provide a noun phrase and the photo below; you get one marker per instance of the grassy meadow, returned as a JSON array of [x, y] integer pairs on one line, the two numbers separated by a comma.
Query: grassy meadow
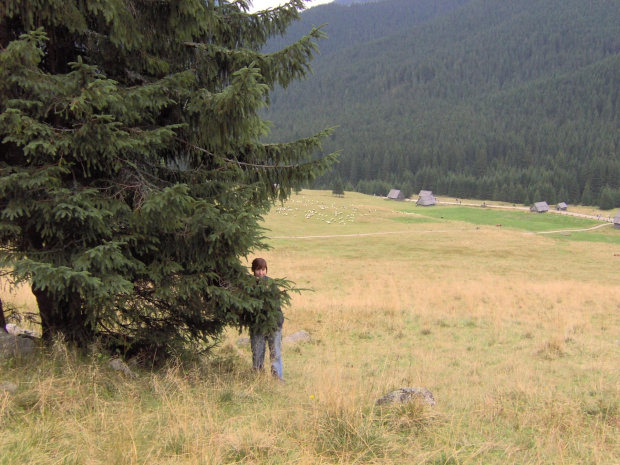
[[515, 329]]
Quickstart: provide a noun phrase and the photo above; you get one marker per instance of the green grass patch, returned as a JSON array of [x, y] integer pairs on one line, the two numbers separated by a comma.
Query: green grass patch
[[415, 219], [534, 222]]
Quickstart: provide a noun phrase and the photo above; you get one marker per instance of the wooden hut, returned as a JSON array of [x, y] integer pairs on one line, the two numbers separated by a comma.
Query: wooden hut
[[617, 220], [562, 207], [426, 201], [395, 194], [539, 207]]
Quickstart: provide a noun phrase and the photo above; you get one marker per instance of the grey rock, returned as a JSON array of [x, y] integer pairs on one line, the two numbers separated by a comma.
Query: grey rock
[[243, 341], [17, 331], [408, 394], [9, 387], [11, 345], [118, 365], [299, 336]]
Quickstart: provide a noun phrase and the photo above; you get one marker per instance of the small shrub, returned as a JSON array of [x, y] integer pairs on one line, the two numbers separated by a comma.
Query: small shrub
[[227, 396], [443, 458], [551, 350], [364, 335], [605, 405], [226, 361], [470, 323], [348, 432], [408, 416]]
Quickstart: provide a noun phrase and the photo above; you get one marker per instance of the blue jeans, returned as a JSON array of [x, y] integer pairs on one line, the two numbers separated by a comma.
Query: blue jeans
[[259, 343]]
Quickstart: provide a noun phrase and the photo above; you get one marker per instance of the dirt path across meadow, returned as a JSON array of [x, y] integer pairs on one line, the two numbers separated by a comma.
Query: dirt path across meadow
[[573, 230]]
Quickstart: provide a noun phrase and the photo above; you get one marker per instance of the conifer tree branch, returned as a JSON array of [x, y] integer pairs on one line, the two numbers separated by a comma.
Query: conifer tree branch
[[132, 177]]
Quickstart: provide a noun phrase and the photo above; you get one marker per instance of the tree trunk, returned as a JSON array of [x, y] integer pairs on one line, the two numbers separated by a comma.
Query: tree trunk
[[2, 320], [64, 317]]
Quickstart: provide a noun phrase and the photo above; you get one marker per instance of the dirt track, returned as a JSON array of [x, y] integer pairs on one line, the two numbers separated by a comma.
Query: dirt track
[[573, 230]]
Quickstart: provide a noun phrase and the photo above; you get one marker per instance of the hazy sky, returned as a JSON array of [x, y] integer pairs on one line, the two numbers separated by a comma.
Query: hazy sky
[[264, 4]]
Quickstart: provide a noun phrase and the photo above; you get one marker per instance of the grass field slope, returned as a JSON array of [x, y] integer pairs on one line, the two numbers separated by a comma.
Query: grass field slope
[[515, 329]]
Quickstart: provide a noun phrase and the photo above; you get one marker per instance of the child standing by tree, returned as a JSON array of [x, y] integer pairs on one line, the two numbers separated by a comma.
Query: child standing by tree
[[259, 339]]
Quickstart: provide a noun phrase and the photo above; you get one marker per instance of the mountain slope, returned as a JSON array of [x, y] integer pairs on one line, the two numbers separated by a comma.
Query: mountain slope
[[467, 98]]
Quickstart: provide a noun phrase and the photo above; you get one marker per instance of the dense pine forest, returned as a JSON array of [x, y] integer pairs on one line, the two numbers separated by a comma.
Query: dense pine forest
[[516, 101]]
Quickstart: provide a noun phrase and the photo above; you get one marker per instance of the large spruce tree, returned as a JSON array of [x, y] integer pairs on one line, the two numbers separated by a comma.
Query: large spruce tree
[[132, 174]]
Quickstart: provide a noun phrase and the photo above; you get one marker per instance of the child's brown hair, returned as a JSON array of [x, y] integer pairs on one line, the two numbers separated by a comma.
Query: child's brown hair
[[259, 264]]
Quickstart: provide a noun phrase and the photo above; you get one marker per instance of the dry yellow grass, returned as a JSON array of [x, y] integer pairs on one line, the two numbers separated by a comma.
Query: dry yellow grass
[[515, 334], [20, 296]]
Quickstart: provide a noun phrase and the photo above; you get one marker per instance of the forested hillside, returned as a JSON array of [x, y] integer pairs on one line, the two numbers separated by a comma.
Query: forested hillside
[[349, 2], [516, 101]]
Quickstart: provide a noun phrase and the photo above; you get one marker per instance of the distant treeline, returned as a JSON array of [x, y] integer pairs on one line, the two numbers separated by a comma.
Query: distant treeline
[[516, 101]]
